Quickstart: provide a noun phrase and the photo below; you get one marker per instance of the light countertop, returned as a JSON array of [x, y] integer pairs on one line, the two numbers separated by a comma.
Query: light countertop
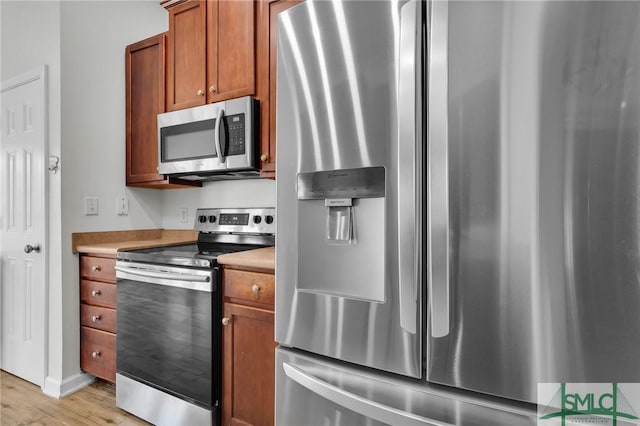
[[262, 259], [114, 241]]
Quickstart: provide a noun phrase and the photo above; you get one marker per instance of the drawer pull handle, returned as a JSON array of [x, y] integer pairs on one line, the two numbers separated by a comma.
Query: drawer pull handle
[[225, 321], [96, 354], [95, 318], [96, 293], [96, 268], [255, 289]]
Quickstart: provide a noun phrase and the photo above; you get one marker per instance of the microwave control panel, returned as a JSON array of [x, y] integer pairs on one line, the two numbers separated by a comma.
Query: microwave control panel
[[236, 129]]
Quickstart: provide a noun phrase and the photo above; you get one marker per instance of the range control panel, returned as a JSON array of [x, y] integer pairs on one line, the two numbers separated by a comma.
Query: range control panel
[[244, 221]]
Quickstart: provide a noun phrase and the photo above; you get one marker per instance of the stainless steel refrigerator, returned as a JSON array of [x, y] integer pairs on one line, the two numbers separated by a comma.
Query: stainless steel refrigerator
[[458, 189]]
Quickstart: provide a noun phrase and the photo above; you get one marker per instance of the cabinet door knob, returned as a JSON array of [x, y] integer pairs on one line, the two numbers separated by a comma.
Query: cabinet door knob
[[96, 293], [95, 318], [96, 354], [255, 289], [212, 89], [96, 268], [201, 92], [263, 157], [225, 321]]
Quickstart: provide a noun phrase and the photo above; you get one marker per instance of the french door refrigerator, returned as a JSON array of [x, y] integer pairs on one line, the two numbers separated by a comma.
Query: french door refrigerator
[[458, 214]]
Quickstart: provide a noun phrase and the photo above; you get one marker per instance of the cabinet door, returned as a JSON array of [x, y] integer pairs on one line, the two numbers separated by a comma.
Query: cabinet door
[[145, 99], [186, 55], [98, 353], [248, 366], [267, 21], [230, 49]]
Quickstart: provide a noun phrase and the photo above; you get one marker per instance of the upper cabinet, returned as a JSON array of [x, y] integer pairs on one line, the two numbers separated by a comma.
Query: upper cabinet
[[230, 49], [267, 25], [145, 82], [210, 52], [214, 50]]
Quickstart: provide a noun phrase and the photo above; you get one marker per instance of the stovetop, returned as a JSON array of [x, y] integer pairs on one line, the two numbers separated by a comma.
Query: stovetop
[[222, 231], [192, 255]]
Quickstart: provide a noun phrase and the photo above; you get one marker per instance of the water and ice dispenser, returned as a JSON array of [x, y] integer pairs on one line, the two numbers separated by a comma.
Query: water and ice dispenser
[[341, 233]]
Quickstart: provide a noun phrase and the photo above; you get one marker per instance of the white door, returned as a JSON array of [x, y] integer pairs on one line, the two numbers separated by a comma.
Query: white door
[[23, 202]]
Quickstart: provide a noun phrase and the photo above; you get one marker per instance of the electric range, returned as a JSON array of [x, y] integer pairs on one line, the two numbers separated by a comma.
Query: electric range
[[169, 304]]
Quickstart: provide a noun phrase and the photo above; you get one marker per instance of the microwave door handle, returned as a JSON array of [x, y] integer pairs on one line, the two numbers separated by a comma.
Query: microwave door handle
[[220, 127]]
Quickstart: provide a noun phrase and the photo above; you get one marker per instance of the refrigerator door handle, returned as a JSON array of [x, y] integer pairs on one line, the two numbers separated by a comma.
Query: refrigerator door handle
[[360, 405], [438, 188], [409, 132]]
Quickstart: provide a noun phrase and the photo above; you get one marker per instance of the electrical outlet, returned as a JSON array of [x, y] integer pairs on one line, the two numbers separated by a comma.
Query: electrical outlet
[[184, 214], [90, 206], [122, 206]]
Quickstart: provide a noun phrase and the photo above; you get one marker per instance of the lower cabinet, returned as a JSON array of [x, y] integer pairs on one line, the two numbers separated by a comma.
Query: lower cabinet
[[98, 353], [98, 316], [249, 348]]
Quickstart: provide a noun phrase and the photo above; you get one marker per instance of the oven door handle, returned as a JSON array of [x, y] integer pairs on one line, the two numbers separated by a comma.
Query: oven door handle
[[164, 275]]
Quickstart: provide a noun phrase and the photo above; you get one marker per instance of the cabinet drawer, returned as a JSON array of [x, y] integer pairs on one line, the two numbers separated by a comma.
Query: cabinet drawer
[[98, 268], [98, 317], [98, 353], [250, 286], [98, 293]]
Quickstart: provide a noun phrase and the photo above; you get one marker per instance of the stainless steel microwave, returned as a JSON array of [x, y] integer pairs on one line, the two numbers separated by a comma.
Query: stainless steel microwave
[[210, 142]]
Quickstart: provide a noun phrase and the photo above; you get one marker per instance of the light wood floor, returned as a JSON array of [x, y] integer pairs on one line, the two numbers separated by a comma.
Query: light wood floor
[[23, 403]]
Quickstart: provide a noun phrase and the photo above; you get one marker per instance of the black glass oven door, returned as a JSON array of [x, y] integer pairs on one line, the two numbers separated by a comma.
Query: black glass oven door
[[169, 338]]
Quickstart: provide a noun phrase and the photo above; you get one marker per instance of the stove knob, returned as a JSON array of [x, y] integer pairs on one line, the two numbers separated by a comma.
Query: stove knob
[[257, 219], [268, 219], [212, 219], [202, 218]]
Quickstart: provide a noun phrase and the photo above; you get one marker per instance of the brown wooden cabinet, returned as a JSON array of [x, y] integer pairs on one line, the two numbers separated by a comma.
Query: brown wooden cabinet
[[215, 50], [210, 52], [145, 99], [231, 49], [249, 348], [266, 57], [98, 316]]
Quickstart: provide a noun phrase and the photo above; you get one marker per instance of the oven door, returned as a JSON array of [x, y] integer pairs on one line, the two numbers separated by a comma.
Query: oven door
[[169, 329]]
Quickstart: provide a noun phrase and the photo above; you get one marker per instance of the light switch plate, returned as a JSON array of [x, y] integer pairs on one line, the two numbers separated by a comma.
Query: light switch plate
[[122, 206], [184, 214], [90, 206]]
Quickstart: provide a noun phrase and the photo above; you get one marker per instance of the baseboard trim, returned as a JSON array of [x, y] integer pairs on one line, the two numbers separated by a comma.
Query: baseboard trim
[[59, 389]]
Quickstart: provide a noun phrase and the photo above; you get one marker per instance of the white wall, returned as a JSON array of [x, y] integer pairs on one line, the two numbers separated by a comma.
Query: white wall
[[30, 38], [93, 36], [83, 43], [242, 193]]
